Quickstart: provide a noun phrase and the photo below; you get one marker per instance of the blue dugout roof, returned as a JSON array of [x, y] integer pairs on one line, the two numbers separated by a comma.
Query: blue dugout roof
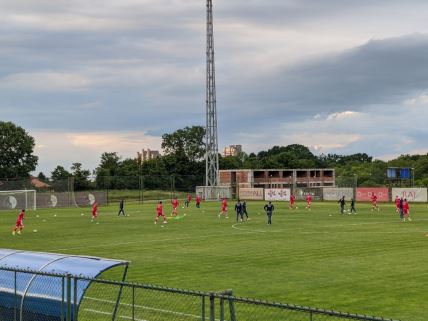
[[41, 295]]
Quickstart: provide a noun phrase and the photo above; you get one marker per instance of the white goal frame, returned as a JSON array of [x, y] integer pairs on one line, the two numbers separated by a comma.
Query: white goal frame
[[28, 196], [214, 193]]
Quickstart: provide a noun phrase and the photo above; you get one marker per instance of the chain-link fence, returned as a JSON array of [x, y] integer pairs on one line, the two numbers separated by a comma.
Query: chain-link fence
[[38, 296], [72, 191]]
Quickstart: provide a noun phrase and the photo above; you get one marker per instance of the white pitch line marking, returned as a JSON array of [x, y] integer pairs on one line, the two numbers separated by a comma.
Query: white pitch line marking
[[148, 308], [120, 316]]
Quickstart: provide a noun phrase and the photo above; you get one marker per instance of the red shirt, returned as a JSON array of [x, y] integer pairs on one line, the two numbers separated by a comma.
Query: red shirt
[[189, 198], [292, 198], [397, 201], [159, 209], [374, 198], [175, 203], [224, 203], [309, 198], [405, 207], [20, 217], [198, 199]]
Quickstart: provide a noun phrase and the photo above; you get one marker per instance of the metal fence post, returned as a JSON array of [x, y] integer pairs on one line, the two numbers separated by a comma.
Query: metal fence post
[[221, 309], [231, 305], [133, 302], [68, 317], [62, 297], [212, 307], [15, 301], [75, 300], [310, 316]]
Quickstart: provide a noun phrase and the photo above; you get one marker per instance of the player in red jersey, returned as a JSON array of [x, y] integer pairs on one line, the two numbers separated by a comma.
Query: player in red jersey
[[406, 211], [308, 201], [397, 204], [159, 213], [19, 225], [292, 200], [374, 202], [223, 208], [174, 203], [94, 211], [198, 201], [188, 199]]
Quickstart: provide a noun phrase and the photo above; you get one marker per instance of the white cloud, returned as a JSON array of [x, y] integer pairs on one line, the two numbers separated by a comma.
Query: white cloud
[[64, 148], [46, 81], [66, 22], [417, 101], [343, 115]]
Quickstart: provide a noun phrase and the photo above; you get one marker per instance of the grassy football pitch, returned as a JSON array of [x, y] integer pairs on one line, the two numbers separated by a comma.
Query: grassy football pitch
[[369, 263]]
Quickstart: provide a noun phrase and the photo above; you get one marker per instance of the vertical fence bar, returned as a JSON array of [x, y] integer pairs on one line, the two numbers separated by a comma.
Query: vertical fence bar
[[310, 315], [15, 299], [221, 309], [203, 308], [212, 307], [75, 300], [62, 297], [231, 305], [68, 318], [133, 302]]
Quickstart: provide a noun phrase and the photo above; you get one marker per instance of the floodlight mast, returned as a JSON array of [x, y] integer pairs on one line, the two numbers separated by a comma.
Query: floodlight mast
[[211, 137]]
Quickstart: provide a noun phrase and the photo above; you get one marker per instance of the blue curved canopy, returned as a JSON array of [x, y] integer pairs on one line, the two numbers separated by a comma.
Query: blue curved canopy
[[37, 296]]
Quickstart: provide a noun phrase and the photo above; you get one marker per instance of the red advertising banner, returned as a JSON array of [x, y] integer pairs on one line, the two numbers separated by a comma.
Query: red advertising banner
[[364, 194]]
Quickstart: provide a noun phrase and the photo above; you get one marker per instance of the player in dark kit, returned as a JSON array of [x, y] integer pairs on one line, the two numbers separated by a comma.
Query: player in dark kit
[[353, 206], [238, 209], [121, 206], [269, 208], [244, 209], [342, 205]]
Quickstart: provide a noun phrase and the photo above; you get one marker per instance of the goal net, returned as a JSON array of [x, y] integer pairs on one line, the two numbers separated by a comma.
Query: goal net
[[212, 193], [18, 199]]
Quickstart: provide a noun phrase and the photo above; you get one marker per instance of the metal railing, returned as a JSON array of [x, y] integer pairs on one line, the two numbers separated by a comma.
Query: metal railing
[[39, 296]]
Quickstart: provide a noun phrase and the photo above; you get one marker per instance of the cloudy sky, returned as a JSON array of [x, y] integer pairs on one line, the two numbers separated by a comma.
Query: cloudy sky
[[88, 76]]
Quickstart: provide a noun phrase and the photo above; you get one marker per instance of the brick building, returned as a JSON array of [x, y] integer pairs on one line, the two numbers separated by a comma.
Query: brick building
[[277, 178]]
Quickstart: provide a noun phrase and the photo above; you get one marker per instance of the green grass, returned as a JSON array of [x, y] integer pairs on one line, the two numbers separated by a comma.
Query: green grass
[[147, 195], [370, 263]]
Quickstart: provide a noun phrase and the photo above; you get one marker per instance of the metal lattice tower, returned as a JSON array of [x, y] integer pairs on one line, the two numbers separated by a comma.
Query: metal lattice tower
[[211, 138]]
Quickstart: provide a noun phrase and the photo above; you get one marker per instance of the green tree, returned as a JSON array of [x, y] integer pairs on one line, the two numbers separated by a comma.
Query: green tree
[[16, 151], [81, 177], [60, 173], [188, 141], [42, 177], [109, 166]]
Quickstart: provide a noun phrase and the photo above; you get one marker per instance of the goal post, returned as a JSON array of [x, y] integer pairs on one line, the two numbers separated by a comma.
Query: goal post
[[212, 193], [18, 199]]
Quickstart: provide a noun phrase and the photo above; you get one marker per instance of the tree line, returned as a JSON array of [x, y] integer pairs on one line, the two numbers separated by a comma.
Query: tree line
[[182, 165]]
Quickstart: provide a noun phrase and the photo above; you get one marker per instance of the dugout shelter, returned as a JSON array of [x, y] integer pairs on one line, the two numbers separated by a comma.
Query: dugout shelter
[[38, 286]]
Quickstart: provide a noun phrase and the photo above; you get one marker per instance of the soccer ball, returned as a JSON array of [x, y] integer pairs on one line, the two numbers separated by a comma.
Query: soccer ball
[[54, 215], [35, 231], [297, 208]]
